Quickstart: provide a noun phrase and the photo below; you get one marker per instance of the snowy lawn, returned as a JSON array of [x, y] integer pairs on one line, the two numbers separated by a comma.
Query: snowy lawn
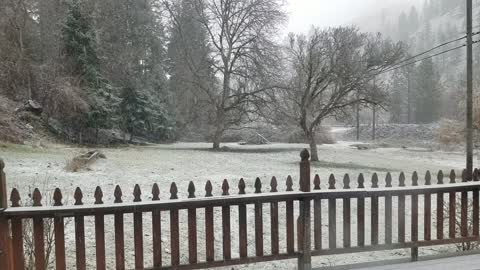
[[27, 168]]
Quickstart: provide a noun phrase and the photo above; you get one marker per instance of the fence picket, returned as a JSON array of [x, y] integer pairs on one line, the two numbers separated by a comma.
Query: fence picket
[[289, 219], [138, 229], [388, 211], [174, 229], [374, 212], [346, 214], [226, 229], [274, 219], [452, 208], [192, 227], [440, 207], [464, 208], [475, 202], [17, 234], [209, 229], [156, 229], [119, 233], [242, 220], [427, 220], [258, 221], [361, 214], [80, 233], [414, 228], [317, 216], [99, 232], [401, 210], [332, 216]]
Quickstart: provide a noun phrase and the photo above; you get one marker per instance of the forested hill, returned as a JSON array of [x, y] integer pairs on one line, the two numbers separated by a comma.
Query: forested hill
[[91, 65], [434, 88]]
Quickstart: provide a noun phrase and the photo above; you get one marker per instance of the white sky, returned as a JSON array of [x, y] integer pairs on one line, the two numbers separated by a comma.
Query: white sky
[[324, 13]]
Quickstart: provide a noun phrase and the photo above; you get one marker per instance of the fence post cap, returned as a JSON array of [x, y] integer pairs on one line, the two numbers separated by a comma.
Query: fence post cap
[[305, 155]]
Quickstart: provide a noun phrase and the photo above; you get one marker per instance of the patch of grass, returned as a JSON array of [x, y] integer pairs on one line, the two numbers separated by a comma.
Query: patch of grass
[[20, 148], [349, 165]]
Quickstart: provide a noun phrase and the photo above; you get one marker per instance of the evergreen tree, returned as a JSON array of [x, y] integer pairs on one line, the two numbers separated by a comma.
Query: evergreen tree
[[190, 67], [413, 19], [132, 45], [80, 52], [428, 93], [403, 27]]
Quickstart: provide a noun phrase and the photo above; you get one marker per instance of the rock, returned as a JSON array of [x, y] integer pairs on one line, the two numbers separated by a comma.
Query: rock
[[31, 106]]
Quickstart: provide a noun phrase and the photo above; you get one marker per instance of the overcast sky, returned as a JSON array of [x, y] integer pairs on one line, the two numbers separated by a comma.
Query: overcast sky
[[324, 13]]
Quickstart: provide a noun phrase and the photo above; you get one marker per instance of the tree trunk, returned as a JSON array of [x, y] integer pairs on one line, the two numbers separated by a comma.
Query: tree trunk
[[217, 137], [313, 147]]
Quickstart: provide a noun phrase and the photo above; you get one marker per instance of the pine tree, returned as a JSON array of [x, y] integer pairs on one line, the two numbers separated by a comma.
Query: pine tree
[[428, 93], [189, 66], [80, 51], [413, 19], [403, 27]]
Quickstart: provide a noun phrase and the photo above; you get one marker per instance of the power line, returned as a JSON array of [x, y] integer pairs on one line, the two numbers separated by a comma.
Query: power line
[[432, 49], [425, 58]]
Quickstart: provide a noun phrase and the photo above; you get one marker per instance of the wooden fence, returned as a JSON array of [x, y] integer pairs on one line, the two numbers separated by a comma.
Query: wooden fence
[[362, 206]]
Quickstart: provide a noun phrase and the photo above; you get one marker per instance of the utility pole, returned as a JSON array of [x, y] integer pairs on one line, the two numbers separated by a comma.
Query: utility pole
[[358, 115], [374, 109], [409, 105], [469, 117], [374, 124]]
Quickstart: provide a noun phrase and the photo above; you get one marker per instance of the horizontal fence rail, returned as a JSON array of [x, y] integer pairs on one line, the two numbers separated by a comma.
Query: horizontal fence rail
[[236, 227]]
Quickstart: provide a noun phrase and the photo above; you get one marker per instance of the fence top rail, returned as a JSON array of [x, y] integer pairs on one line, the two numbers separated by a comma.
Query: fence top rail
[[230, 200]]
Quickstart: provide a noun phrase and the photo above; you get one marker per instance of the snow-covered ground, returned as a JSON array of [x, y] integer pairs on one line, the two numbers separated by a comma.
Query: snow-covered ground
[[27, 168]]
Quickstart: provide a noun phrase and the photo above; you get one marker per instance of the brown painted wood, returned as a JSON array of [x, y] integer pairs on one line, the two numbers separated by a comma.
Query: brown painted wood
[[317, 223], [427, 220], [226, 230], [332, 223], [361, 214], [17, 244], [119, 242], [209, 231], [138, 240], [242, 230], [100, 241], [346, 215], [274, 232], [464, 214], [475, 214], [59, 233], [290, 227], [156, 229], [401, 219], [92, 210], [440, 219], [258, 229], [451, 214], [192, 236], [174, 238], [80, 242], [317, 216], [157, 238], [374, 213], [6, 256], [414, 224], [388, 219]]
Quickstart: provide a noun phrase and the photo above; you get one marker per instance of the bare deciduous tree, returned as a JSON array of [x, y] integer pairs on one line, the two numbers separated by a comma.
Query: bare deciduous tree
[[240, 34], [329, 71]]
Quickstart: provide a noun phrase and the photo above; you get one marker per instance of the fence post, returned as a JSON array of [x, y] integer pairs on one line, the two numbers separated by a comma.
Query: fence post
[[304, 259], [6, 261]]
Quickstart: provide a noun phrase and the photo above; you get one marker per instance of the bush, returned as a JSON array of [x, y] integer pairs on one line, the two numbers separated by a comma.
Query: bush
[[451, 132]]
